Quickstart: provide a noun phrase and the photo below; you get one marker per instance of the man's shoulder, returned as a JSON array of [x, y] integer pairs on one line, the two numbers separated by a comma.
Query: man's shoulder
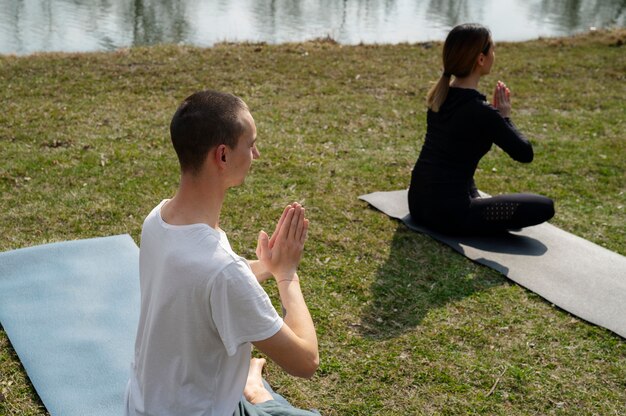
[[191, 247], [214, 254], [233, 266]]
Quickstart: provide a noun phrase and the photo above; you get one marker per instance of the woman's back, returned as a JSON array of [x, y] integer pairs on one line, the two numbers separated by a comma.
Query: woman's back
[[457, 137], [454, 143]]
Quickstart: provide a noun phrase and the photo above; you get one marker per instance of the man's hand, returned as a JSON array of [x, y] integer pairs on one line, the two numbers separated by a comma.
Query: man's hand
[[281, 254]]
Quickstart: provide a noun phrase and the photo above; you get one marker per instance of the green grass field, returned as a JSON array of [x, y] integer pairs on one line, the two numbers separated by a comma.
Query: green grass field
[[406, 325]]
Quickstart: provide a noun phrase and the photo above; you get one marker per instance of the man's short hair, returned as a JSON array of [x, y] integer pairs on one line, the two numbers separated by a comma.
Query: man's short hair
[[204, 120]]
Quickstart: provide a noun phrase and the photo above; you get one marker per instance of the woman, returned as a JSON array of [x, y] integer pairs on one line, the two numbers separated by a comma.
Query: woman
[[462, 126]]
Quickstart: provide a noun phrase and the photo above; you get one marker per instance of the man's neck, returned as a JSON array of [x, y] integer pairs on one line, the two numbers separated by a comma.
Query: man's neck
[[197, 200]]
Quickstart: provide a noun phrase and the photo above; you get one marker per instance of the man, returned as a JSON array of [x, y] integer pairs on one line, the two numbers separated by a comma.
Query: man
[[201, 304]]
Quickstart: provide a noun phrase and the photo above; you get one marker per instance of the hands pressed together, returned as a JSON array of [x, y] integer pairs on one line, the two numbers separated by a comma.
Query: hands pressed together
[[502, 99], [280, 255], [294, 347]]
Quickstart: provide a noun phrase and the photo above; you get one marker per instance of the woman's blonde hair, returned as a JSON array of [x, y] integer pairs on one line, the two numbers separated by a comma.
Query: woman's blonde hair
[[463, 45]]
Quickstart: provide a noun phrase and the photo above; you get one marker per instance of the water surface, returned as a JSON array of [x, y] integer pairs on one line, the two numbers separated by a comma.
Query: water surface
[[28, 26]]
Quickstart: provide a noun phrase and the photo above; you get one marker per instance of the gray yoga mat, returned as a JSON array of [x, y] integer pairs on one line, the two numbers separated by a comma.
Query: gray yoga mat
[[578, 276], [71, 310]]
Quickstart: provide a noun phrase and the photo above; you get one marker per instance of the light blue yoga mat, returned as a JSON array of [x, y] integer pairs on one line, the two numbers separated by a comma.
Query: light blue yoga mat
[[71, 310]]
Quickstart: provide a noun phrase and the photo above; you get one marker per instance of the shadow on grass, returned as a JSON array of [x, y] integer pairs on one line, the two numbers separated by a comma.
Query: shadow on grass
[[420, 274], [11, 368]]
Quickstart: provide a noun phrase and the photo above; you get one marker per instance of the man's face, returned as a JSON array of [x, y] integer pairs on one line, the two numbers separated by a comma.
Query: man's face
[[245, 151]]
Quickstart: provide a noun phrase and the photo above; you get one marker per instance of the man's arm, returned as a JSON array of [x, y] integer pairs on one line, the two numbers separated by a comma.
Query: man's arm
[[294, 347]]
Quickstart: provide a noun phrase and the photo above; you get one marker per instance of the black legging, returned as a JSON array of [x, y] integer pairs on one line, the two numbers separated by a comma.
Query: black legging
[[507, 212], [483, 215]]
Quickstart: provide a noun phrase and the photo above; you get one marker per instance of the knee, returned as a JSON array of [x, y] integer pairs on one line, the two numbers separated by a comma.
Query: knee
[[547, 208]]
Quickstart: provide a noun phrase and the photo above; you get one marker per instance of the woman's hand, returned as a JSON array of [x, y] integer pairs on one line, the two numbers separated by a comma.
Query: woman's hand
[[502, 99]]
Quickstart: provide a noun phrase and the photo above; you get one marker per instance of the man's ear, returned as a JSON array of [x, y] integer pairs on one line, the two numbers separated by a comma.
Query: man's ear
[[220, 154]]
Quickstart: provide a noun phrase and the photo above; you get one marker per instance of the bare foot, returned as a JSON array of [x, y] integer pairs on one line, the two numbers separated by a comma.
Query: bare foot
[[254, 391]]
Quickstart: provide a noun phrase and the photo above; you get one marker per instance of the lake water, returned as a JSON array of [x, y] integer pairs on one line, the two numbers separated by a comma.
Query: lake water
[[28, 26]]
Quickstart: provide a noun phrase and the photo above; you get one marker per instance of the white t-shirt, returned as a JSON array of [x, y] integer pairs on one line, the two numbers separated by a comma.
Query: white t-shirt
[[201, 306]]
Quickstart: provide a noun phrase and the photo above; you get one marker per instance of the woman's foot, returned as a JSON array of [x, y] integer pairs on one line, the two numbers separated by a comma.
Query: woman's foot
[[254, 391]]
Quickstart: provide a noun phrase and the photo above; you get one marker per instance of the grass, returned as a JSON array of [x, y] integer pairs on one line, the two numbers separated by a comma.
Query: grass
[[406, 325]]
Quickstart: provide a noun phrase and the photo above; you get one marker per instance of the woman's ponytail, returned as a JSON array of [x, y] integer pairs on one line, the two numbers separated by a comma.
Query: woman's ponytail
[[438, 93]]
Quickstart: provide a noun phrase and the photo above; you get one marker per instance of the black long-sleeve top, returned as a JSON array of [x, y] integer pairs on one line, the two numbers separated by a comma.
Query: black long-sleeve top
[[457, 137]]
